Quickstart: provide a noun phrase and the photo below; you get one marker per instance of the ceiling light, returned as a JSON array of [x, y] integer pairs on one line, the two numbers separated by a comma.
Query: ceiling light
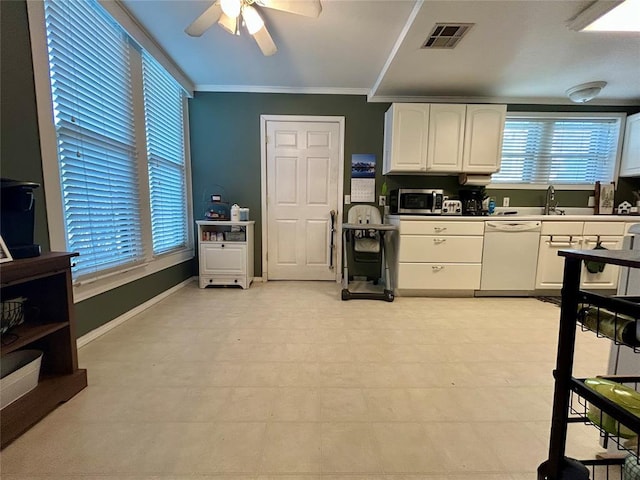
[[623, 18], [231, 8], [585, 92], [252, 19], [608, 16]]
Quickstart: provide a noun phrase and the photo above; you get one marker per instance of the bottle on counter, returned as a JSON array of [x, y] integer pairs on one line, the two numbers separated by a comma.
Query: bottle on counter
[[235, 212]]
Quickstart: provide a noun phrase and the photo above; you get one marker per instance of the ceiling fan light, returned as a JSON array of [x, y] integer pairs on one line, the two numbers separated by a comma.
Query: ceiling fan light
[[252, 19], [231, 8], [585, 92]]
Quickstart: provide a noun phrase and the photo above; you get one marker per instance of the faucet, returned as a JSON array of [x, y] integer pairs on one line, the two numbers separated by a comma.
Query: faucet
[[550, 203]]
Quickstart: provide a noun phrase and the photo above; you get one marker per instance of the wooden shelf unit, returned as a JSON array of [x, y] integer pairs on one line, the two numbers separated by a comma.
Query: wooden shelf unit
[[49, 326]]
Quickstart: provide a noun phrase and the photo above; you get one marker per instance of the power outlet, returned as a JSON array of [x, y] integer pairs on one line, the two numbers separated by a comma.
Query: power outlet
[[505, 201], [382, 200], [347, 199]]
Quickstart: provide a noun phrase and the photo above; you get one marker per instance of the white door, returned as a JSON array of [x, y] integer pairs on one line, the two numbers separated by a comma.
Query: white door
[[303, 165]]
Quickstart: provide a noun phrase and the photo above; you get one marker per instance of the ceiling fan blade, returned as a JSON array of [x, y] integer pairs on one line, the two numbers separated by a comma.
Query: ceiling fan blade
[[204, 21], [308, 8], [228, 23], [265, 42]]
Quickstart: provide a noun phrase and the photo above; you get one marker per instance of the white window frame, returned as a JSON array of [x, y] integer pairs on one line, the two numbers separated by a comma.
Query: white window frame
[[50, 169], [569, 115]]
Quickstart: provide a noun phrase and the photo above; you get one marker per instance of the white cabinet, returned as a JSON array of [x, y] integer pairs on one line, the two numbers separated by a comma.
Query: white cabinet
[[405, 140], [579, 236], [225, 252], [630, 163], [439, 256], [446, 137], [484, 129], [555, 236]]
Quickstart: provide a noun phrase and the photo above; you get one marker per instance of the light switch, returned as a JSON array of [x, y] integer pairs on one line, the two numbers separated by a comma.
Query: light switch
[[347, 199], [505, 201]]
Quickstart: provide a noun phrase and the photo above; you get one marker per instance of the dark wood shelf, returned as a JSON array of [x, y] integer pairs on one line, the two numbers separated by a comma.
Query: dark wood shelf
[[22, 414], [29, 333], [49, 326]]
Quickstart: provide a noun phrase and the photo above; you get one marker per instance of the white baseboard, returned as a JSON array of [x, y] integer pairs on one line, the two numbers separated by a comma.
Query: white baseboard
[[101, 330]]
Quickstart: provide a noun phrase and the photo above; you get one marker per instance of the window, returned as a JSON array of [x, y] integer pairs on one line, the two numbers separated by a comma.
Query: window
[[123, 205], [558, 150], [164, 120]]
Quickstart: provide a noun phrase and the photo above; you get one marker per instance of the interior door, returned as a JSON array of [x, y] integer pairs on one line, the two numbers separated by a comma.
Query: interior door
[[302, 189]]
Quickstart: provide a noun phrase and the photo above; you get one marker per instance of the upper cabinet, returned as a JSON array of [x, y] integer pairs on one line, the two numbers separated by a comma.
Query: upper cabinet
[[483, 134], [446, 138], [630, 163], [443, 138], [406, 129]]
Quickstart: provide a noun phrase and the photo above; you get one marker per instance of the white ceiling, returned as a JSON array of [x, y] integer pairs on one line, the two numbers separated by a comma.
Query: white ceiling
[[519, 51]]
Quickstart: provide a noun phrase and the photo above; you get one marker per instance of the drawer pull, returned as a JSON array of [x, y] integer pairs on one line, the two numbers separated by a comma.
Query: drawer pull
[[438, 241], [439, 229], [437, 268]]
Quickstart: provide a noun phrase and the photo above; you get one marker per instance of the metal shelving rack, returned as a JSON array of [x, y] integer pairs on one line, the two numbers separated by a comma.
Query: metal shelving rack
[[566, 409]]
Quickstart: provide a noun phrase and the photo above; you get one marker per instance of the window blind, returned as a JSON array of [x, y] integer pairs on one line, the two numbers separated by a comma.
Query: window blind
[[90, 73], [558, 150], [164, 121]]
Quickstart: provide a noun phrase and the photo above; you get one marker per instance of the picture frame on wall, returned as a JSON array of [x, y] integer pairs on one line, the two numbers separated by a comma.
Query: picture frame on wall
[[5, 255]]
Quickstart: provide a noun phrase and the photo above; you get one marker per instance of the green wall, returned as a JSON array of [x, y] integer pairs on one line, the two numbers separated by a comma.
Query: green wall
[[20, 159], [225, 143], [225, 150]]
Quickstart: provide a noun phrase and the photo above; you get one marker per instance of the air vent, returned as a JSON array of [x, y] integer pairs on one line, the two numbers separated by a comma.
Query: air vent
[[447, 35]]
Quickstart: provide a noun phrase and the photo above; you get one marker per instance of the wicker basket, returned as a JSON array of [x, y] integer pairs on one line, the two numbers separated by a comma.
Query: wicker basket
[[12, 314]]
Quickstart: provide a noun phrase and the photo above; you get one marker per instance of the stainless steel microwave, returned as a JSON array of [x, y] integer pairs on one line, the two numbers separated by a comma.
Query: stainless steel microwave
[[415, 201]]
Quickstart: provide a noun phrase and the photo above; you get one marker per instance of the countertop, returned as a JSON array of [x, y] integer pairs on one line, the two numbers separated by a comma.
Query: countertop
[[506, 218]]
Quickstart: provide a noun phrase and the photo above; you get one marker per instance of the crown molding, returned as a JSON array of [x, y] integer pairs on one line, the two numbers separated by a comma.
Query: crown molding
[[274, 89]]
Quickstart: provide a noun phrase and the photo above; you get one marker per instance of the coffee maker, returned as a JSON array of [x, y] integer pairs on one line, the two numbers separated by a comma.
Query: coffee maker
[[471, 198]]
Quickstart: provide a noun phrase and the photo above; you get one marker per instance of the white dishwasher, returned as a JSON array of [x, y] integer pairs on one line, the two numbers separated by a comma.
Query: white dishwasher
[[510, 255]]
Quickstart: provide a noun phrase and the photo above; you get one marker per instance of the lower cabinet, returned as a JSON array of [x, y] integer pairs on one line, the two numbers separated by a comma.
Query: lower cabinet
[[550, 266], [577, 236], [225, 253], [439, 276], [440, 256]]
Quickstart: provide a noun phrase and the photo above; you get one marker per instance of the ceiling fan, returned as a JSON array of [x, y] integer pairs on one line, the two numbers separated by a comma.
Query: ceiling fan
[[231, 14]]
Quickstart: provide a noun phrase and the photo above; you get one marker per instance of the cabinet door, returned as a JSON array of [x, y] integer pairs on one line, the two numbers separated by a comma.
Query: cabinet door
[[407, 143], [608, 278], [550, 266], [223, 259], [484, 129], [630, 163], [446, 138]]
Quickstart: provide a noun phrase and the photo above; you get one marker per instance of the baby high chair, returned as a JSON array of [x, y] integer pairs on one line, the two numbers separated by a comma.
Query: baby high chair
[[364, 238]]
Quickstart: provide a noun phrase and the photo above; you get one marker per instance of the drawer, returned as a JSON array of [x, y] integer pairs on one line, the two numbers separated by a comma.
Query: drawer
[[561, 228], [603, 228], [223, 280], [436, 227], [436, 248], [439, 276], [223, 258]]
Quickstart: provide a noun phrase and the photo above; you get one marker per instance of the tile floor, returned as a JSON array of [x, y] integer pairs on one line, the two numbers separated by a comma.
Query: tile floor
[[286, 382]]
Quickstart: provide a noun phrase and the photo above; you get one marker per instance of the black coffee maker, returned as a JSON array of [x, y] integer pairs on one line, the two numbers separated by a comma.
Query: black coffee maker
[[471, 198], [17, 217]]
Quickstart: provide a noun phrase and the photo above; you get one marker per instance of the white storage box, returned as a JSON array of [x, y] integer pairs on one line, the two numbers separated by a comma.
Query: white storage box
[[19, 372]]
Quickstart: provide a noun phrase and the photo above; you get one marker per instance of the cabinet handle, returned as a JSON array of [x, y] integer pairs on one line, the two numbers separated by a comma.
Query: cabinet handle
[[438, 241], [437, 268], [439, 229]]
